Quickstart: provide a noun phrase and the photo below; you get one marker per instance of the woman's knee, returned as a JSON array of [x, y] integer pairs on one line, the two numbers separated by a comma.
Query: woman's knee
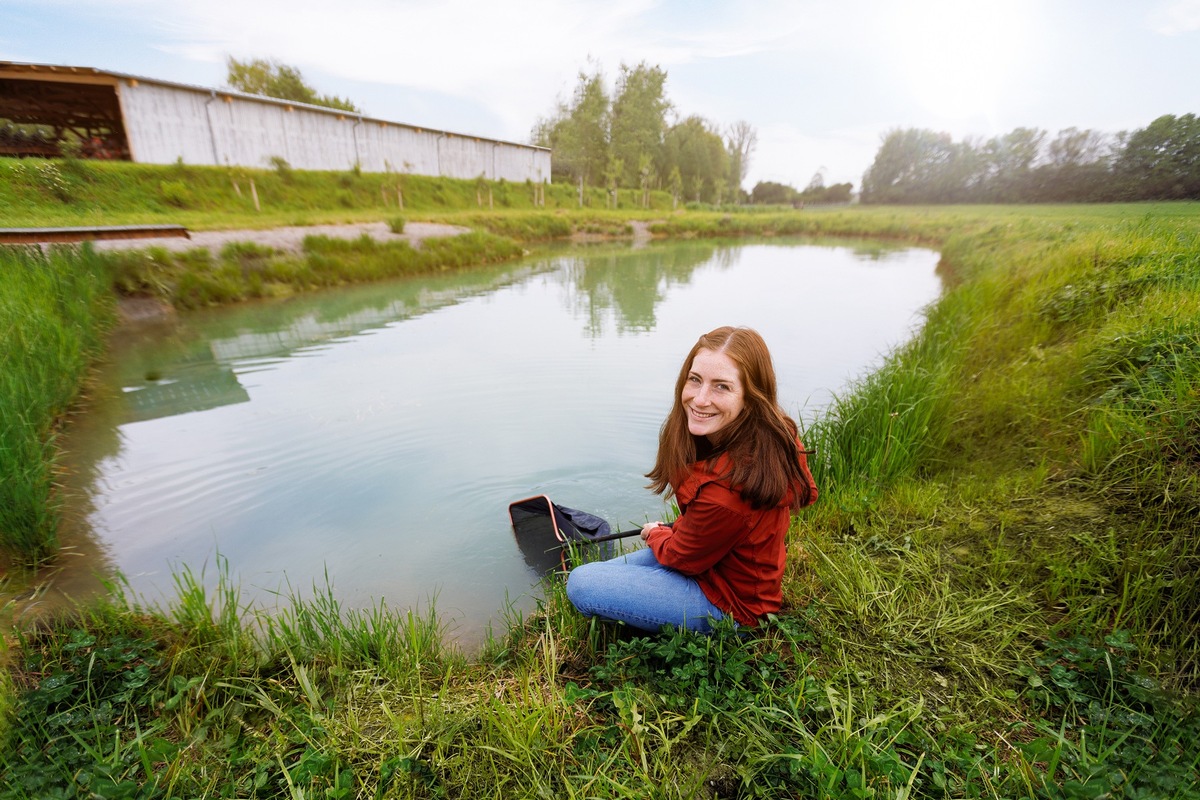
[[581, 583]]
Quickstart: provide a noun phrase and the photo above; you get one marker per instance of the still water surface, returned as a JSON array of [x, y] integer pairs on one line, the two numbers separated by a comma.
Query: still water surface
[[374, 436]]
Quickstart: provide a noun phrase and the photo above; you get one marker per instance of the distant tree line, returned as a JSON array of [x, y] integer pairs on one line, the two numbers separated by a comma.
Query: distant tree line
[[630, 138], [1158, 162], [816, 193]]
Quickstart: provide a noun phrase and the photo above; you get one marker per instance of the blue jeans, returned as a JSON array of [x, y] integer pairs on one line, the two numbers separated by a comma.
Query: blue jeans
[[635, 589]]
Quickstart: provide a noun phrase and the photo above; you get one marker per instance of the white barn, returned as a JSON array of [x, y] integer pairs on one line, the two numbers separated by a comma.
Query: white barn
[[158, 122]]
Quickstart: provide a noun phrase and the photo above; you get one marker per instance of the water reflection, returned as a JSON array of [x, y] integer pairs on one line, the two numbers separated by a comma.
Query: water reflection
[[182, 365], [376, 434], [632, 284]]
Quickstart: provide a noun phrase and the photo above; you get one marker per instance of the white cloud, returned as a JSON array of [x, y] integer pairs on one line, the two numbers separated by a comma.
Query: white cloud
[[513, 59], [1176, 18]]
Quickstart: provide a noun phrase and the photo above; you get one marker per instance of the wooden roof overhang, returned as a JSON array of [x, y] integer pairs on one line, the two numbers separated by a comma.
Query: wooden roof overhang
[[75, 99]]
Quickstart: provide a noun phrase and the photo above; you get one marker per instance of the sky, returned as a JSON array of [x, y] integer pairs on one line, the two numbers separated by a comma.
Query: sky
[[820, 81]]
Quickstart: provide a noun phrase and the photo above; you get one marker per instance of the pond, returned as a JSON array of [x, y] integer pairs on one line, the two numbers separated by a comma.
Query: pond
[[371, 438]]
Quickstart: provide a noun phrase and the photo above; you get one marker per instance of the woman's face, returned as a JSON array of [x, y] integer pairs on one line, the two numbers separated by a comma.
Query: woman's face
[[713, 394]]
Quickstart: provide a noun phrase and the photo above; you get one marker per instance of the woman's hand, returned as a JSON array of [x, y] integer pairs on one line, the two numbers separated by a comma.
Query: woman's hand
[[649, 526]]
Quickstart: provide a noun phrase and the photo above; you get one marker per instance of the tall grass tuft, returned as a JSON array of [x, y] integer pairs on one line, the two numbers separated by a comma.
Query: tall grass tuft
[[404, 646], [888, 423], [1143, 433], [525, 227], [54, 310]]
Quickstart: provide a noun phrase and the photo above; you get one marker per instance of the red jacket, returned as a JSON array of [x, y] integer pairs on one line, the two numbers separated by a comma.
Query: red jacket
[[736, 553]]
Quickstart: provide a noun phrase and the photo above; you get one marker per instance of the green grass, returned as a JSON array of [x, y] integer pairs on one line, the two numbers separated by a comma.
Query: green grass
[[52, 193], [246, 271], [54, 310], [994, 597], [327, 702]]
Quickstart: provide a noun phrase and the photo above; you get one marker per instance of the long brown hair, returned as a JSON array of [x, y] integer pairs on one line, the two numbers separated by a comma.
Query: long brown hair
[[761, 441]]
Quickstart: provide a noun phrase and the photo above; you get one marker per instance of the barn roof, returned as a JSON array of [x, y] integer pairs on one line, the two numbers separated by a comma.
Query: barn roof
[[83, 98]]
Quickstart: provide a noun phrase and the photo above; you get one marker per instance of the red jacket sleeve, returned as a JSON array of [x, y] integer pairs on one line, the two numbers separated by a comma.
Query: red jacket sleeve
[[702, 536]]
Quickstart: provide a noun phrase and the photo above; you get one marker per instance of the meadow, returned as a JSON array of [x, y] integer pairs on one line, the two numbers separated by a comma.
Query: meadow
[[995, 595]]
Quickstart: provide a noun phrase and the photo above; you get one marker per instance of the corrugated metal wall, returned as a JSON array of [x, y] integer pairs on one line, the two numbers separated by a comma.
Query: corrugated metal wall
[[166, 123]]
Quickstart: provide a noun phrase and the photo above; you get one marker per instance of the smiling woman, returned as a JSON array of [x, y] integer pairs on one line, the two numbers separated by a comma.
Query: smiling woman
[[713, 393], [731, 459]]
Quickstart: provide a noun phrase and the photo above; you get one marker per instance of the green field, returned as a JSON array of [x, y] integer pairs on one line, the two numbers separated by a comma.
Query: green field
[[995, 595]]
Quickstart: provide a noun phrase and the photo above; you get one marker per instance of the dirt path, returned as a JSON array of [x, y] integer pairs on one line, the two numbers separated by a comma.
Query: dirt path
[[288, 238]]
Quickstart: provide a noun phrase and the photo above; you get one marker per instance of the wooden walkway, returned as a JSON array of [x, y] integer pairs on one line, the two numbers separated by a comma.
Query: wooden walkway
[[89, 234]]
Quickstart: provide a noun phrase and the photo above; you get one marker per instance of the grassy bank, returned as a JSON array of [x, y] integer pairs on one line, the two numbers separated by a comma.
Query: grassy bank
[[54, 193], [994, 597], [247, 271], [54, 311]]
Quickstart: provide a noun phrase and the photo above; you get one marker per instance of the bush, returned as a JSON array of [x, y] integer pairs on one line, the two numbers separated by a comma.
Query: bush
[[281, 167]]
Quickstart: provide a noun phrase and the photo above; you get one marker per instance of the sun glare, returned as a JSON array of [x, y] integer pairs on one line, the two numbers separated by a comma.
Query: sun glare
[[959, 57]]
